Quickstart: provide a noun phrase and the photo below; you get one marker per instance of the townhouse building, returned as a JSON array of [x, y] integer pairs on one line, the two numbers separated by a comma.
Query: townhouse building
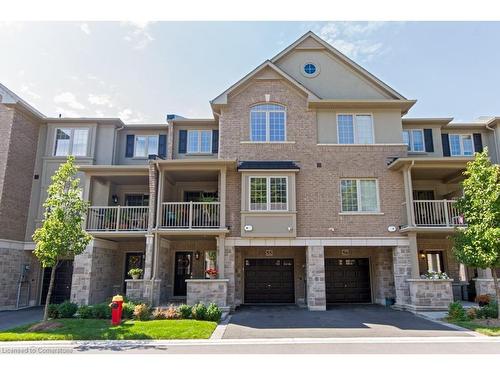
[[310, 185]]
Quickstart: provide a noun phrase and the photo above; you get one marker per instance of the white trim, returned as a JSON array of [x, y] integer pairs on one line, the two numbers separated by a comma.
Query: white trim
[[360, 144], [461, 137], [198, 151], [355, 127], [71, 141], [319, 241], [268, 193], [268, 126], [267, 142], [410, 140], [146, 146], [358, 195], [307, 75]]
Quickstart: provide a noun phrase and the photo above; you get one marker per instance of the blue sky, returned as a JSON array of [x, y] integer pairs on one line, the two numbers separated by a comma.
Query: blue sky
[[142, 71]]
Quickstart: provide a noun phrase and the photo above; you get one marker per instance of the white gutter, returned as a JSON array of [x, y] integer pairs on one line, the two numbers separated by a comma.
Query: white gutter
[[497, 150]]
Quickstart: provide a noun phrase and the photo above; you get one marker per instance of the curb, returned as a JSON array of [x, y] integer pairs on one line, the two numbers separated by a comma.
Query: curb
[[219, 331]]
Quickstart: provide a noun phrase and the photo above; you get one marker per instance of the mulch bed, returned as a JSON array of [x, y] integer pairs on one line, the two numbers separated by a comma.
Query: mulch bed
[[44, 326]]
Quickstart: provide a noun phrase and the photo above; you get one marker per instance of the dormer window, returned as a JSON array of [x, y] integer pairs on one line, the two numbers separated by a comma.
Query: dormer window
[[71, 141], [268, 123]]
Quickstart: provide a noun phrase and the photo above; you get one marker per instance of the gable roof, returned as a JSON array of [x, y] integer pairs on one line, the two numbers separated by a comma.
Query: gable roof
[[7, 97], [222, 98], [344, 59]]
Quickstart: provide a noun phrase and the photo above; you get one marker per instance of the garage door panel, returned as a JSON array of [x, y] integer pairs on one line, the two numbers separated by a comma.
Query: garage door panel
[[269, 281], [347, 280]]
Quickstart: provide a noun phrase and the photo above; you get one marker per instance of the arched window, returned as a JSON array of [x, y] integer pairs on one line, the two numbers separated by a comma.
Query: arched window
[[268, 123]]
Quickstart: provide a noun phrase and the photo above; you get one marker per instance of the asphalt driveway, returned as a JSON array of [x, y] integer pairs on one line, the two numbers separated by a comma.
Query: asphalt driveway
[[343, 321], [10, 319]]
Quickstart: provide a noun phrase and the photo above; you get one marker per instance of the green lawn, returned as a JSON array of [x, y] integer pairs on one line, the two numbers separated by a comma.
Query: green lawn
[[489, 331], [95, 329]]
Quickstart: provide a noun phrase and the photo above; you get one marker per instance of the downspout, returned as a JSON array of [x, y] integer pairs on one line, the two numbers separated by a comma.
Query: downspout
[[114, 143], [155, 248], [410, 193]]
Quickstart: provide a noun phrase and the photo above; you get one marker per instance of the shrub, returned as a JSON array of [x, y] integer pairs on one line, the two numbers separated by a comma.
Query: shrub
[[101, 311], [199, 311], [53, 311], [213, 313], [456, 312], [488, 311], [67, 309], [142, 312], [172, 313], [472, 313], [483, 299], [184, 311], [128, 309], [159, 314], [85, 312]]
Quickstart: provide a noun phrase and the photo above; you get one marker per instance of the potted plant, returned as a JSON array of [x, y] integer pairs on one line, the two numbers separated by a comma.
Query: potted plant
[[212, 273], [135, 273]]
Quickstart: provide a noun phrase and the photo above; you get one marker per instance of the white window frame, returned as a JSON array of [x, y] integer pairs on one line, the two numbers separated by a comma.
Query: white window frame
[[355, 128], [198, 148], [268, 194], [268, 125], [147, 151], [71, 140], [358, 195], [461, 137], [410, 139]]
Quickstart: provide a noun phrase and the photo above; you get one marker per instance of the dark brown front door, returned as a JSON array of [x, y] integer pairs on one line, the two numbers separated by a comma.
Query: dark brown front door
[[347, 280], [269, 281], [62, 283], [183, 271], [132, 260]]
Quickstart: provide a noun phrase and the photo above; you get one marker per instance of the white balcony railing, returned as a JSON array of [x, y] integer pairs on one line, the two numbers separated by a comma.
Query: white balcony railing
[[437, 213], [190, 215], [117, 218]]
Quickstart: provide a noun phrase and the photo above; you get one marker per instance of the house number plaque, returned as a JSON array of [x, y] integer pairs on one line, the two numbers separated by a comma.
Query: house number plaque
[[268, 253]]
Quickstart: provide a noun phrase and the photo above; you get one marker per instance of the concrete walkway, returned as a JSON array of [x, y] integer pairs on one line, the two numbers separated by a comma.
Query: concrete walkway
[[10, 319], [339, 321]]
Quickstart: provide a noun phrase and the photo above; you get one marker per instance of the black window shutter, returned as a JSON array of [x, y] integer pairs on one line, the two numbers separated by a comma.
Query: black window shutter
[[446, 144], [215, 141], [183, 135], [478, 142], [162, 146], [129, 151], [429, 144]]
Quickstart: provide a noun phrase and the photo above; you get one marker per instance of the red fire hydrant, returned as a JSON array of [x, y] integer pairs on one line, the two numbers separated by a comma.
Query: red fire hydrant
[[116, 310]]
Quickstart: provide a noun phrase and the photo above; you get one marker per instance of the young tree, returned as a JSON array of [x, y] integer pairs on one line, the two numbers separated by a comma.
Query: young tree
[[61, 234], [478, 245]]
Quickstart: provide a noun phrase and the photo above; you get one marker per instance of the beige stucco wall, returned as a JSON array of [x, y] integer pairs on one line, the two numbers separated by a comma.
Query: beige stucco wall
[[386, 124], [436, 139]]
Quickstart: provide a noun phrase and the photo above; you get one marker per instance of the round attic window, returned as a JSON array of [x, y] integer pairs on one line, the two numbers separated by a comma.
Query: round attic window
[[310, 69]]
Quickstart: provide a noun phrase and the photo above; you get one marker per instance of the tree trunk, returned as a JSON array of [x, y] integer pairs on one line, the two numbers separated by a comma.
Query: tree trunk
[[497, 289], [49, 292]]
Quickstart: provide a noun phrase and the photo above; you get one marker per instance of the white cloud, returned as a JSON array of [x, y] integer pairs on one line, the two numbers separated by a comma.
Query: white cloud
[[85, 28], [129, 116], [138, 33], [354, 39], [68, 99], [26, 89], [65, 112], [101, 100]]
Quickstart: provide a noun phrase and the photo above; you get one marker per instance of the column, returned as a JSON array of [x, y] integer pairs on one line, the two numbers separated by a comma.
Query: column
[[82, 276], [222, 197], [148, 261], [315, 270], [152, 195], [229, 273], [401, 261], [220, 256]]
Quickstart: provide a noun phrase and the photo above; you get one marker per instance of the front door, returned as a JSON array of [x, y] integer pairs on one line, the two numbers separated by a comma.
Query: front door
[[62, 283], [132, 260], [183, 271]]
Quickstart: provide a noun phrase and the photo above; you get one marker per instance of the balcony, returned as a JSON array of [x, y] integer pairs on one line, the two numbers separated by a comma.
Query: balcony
[[117, 218], [190, 215], [434, 214]]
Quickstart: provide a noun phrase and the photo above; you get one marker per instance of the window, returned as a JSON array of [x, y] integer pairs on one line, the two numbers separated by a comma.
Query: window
[[71, 141], [267, 123], [414, 139], [355, 129], [199, 142], [461, 145], [434, 260], [145, 145], [137, 200], [310, 68], [359, 195], [268, 193]]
